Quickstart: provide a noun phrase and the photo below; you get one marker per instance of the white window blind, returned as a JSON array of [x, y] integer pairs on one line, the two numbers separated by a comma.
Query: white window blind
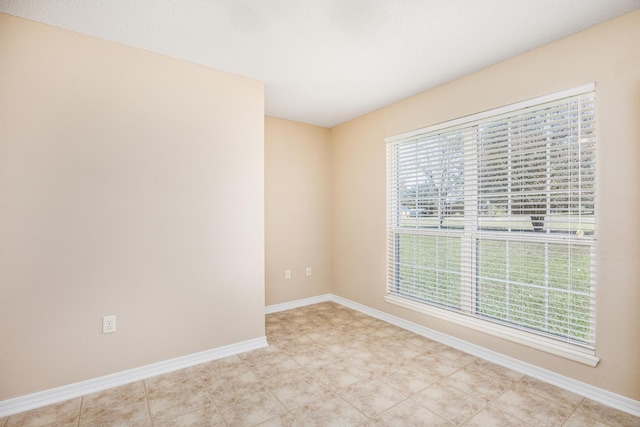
[[492, 217]]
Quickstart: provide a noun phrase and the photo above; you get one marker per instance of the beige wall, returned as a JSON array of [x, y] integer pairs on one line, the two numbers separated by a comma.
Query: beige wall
[[609, 55], [297, 210], [131, 184]]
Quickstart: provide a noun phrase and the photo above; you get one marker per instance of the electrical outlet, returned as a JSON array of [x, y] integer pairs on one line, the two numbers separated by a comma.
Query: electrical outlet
[[308, 271], [108, 324], [287, 274]]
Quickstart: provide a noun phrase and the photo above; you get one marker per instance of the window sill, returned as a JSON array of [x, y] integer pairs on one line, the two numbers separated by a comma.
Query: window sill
[[566, 350]]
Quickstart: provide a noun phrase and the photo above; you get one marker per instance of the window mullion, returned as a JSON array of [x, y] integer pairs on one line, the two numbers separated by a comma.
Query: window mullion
[[468, 245]]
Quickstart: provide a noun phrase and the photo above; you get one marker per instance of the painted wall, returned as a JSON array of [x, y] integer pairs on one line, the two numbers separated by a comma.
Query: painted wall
[[131, 184], [608, 54], [297, 210]]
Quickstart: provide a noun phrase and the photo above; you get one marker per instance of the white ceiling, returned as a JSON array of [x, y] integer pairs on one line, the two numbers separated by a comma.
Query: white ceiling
[[327, 61]]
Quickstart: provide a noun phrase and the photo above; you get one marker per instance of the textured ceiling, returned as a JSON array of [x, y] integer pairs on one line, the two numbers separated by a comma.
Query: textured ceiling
[[327, 61]]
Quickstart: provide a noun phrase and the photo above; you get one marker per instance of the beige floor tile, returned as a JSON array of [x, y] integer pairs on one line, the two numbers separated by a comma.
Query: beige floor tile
[[372, 321], [266, 356], [380, 367], [425, 344], [221, 382], [296, 391], [290, 343], [251, 408], [606, 415], [439, 365], [362, 358], [175, 394], [580, 420], [340, 374], [221, 365], [532, 408], [494, 417], [345, 348], [377, 334], [370, 397], [324, 337], [482, 381], [303, 329], [286, 420], [346, 326], [119, 406], [497, 370], [395, 331], [550, 392], [314, 356], [205, 417], [407, 379], [61, 414], [286, 368], [449, 402], [279, 328], [348, 351], [375, 362], [405, 334], [399, 348], [409, 414], [456, 355], [329, 411]]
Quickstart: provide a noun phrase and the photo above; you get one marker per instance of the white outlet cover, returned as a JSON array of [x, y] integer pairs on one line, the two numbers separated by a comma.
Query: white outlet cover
[[108, 324]]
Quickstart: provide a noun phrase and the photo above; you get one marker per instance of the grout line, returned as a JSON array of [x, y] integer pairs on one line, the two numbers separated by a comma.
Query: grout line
[[80, 411], [356, 409], [146, 399], [572, 412], [213, 402]]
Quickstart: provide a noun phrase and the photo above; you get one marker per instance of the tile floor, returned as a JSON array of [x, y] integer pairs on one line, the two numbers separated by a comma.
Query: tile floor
[[328, 365]]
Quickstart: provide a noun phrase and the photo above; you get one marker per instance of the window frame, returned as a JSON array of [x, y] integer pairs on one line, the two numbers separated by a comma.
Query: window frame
[[564, 348]]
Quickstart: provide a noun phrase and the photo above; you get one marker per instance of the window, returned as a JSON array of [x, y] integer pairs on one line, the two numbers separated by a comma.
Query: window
[[491, 222]]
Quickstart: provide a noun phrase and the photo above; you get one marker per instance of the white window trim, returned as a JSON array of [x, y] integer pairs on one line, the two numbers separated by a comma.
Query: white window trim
[[566, 350]]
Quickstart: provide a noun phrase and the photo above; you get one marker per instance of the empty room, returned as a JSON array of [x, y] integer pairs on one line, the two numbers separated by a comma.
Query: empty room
[[320, 213]]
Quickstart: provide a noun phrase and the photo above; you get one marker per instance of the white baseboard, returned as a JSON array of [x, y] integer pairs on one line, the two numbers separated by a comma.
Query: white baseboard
[[55, 395], [297, 303], [605, 397]]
